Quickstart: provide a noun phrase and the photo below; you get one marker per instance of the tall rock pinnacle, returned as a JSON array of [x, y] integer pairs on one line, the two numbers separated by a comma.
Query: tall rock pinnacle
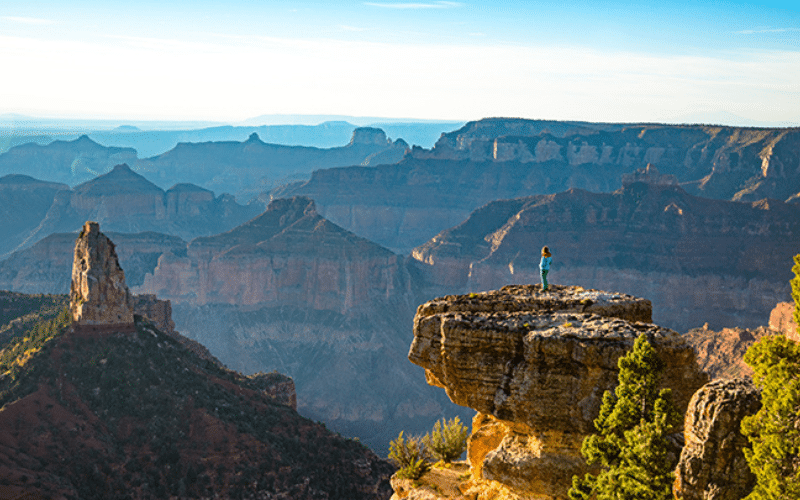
[[99, 296]]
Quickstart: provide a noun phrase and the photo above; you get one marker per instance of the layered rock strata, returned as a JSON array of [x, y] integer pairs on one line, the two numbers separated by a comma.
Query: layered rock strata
[[535, 366], [712, 465], [287, 256], [700, 260], [401, 206], [99, 297]]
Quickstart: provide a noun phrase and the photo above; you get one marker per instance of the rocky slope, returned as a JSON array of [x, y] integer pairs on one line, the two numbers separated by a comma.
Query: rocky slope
[[535, 366], [247, 168], [136, 415], [97, 403], [286, 256], [702, 261], [720, 354], [401, 206]]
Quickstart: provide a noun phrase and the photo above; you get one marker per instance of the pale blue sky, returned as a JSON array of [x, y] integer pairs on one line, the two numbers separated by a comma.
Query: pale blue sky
[[455, 60]]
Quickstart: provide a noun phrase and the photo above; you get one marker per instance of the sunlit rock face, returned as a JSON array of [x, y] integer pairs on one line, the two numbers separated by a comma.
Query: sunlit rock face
[[289, 255], [535, 366], [99, 296], [712, 464]]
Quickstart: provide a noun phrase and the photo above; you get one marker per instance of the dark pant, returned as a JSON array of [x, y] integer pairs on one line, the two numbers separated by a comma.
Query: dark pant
[[544, 278]]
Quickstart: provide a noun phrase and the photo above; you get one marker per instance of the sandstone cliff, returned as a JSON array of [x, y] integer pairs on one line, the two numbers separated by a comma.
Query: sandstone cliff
[[712, 465], [99, 296], [715, 161], [720, 262], [535, 366], [781, 319]]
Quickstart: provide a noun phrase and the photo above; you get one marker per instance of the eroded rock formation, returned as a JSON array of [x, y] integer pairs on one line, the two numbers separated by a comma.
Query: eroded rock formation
[[712, 464], [781, 319], [287, 256], [700, 260], [720, 354], [535, 366], [501, 158], [99, 297]]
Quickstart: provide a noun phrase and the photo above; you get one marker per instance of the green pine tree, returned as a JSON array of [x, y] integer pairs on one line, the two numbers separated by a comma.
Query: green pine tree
[[796, 291], [631, 444], [774, 431]]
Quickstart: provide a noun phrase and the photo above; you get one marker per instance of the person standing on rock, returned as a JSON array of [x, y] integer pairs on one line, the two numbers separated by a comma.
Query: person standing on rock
[[544, 266]]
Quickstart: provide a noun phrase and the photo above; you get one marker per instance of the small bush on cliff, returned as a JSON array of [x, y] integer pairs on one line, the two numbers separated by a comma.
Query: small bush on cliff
[[447, 441], [774, 431], [409, 454], [631, 446]]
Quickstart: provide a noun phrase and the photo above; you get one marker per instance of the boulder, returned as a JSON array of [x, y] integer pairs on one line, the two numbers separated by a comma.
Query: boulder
[[712, 465]]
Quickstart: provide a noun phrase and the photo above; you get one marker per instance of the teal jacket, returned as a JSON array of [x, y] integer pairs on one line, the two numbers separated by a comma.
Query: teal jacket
[[544, 264]]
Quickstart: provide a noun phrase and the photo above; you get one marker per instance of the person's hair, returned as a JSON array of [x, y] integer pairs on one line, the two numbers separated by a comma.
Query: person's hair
[[546, 252]]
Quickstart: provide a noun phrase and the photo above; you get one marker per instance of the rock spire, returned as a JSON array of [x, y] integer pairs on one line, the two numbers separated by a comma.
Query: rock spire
[[99, 297]]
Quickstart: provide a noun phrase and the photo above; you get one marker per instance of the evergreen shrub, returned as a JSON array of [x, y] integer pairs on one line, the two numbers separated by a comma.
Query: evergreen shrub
[[409, 454], [447, 441]]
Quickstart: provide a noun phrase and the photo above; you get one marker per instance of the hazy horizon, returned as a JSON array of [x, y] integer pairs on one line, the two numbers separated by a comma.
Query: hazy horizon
[[733, 62]]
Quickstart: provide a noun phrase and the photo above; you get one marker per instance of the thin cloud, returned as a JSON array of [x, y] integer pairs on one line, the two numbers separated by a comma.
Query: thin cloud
[[27, 20], [766, 30], [414, 5], [357, 29]]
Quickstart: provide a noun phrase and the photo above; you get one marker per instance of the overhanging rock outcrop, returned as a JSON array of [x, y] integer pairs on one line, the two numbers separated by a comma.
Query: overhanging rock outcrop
[[535, 366]]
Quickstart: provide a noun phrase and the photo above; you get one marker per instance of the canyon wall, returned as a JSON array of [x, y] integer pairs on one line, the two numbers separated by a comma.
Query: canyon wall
[[502, 158], [288, 255], [702, 261]]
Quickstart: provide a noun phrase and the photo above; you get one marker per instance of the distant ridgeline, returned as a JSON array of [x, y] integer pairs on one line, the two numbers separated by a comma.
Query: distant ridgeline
[[401, 206], [324, 283], [244, 169]]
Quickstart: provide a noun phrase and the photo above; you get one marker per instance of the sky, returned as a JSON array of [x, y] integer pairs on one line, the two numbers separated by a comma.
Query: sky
[[227, 61]]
